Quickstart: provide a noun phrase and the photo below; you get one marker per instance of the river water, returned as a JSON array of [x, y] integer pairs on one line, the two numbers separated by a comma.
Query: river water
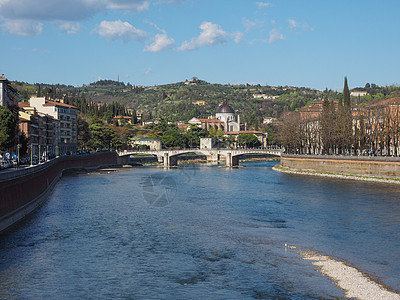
[[199, 232]]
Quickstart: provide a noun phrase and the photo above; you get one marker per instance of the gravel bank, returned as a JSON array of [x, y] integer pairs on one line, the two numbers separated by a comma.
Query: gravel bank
[[352, 281]]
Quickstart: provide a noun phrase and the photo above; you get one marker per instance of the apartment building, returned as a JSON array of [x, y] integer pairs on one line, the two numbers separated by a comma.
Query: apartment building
[[67, 116], [42, 131]]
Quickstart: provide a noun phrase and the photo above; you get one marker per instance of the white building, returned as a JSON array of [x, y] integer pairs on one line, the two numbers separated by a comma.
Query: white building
[[152, 143], [67, 114], [264, 96], [268, 120], [207, 143], [226, 114], [358, 93]]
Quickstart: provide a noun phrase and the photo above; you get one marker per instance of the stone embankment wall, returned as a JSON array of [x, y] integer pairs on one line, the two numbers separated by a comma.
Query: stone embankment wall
[[21, 191], [354, 165]]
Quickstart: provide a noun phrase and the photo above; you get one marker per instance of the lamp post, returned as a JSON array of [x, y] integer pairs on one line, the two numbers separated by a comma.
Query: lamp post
[[39, 155], [31, 155], [18, 147]]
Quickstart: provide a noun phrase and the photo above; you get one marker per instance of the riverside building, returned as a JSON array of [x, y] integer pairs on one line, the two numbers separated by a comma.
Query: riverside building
[[67, 116]]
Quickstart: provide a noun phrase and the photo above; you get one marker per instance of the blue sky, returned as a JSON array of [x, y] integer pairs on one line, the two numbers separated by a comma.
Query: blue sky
[[313, 43]]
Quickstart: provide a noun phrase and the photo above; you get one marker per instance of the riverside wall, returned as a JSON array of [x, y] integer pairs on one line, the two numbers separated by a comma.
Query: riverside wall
[[21, 191], [352, 165]]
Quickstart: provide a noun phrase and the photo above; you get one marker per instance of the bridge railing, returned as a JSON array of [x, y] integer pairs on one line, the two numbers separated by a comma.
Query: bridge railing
[[272, 147]]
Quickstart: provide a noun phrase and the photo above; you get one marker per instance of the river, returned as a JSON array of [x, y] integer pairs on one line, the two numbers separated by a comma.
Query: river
[[199, 232]]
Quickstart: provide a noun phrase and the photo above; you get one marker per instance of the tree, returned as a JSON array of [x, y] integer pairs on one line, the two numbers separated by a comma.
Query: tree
[[83, 132], [23, 141], [193, 136], [328, 126], [133, 117], [289, 134], [345, 132], [248, 140], [121, 138], [346, 93], [96, 129], [8, 126]]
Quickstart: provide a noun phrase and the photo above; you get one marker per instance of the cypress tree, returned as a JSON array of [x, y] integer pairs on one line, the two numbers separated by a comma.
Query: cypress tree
[[346, 93]]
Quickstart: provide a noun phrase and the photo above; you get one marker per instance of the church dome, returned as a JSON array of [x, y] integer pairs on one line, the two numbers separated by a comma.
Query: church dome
[[225, 108]]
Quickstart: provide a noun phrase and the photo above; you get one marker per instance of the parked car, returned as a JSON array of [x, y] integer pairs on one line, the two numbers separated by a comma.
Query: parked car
[[5, 163], [14, 162]]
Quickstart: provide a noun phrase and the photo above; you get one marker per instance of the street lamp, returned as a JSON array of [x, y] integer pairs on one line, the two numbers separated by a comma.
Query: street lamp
[[18, 147], [31, 154]]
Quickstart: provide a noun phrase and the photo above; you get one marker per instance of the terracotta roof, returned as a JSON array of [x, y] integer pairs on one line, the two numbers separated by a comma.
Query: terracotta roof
[[53, 103], [183, 126], [122, 117], [24, 104], [395, 100], [210, 121]]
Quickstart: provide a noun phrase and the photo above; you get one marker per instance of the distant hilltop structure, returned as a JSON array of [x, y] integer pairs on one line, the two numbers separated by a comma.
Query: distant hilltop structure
[[358, 93], [265, 96]]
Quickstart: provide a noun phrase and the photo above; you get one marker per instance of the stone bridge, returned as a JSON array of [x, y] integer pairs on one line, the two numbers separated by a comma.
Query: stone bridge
[[170, 157]]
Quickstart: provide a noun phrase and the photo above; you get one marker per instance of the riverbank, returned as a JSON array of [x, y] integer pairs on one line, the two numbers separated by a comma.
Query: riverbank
[[279, 168], [354, 282]]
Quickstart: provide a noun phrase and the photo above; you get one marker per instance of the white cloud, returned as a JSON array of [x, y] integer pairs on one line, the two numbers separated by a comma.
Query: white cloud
[[42, 10], [238, 36], [211, 34], [148, 71], [248, 24], [65, 10], [22, 27], [293, 24], [113, 30], [275, 35], [136, 5], [69, 27], [161, 42], [171, 1], [263, 4]]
